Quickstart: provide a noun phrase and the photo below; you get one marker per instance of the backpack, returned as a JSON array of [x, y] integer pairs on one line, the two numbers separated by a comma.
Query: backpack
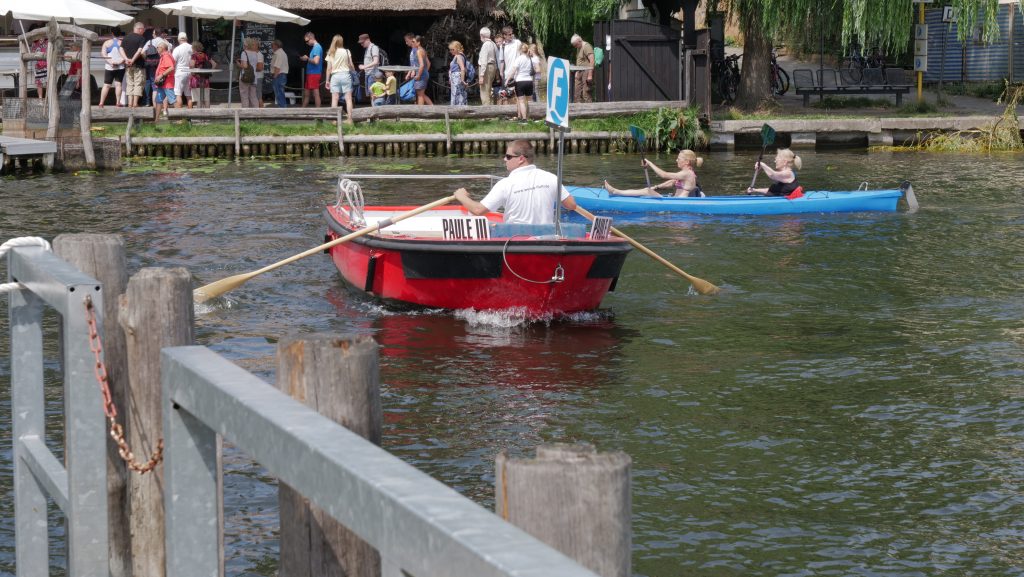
[[598, 56], [383, 56], [470, 70], [249, 72]]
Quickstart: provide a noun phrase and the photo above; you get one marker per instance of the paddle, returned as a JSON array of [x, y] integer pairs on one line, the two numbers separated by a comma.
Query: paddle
[[702, 286], [217, 288], [641, 141], [767, 138]]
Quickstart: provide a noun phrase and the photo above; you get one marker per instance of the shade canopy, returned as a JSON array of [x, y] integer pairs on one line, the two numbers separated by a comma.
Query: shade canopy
[[117, 6], [73, 11], [247, 10]]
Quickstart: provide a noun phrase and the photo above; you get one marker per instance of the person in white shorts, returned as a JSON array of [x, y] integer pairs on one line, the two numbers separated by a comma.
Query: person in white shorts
[[527, 194], [182, 55]]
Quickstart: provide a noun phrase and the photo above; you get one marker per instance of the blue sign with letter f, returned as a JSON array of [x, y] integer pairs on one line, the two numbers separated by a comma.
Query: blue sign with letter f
[[558, 93]]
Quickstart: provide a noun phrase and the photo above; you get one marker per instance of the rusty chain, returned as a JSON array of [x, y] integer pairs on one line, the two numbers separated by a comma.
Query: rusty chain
[[109, 409]]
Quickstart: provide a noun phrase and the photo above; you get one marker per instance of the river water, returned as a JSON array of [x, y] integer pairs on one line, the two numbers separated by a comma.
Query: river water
[[849, 405]]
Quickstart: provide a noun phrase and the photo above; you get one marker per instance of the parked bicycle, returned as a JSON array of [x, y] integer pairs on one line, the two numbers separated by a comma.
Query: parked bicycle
[[728, 72], [856, 61], [779, 77]]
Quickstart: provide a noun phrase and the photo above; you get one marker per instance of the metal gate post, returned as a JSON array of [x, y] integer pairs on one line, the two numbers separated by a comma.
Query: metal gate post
[[79, 487], [27, 412]]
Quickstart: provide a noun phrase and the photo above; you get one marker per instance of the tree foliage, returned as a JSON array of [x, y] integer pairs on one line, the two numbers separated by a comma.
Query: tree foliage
[[559, 19], [886, 24]]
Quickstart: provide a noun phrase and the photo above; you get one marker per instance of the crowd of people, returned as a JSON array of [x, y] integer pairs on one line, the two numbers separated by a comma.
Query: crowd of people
[[147, 68]]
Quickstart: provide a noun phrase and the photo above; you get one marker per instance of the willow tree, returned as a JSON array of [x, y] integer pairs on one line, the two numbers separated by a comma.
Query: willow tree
[[887, 24], [554, 21]]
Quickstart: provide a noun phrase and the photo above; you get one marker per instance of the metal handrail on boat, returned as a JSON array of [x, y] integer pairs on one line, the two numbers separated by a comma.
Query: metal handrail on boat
[[490, 177]]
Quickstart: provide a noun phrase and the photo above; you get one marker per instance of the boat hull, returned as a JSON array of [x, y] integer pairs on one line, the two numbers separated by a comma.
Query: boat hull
[[598, 199], [489, 274]]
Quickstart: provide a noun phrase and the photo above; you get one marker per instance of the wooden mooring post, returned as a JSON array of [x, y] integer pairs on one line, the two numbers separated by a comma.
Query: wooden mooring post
[[339, 377], [156, 311], [572, 498]]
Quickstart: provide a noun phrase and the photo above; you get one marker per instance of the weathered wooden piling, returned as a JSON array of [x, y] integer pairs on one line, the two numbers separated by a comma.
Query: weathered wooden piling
[[572, 498], [102, 256], [339, 377], [156, 311]]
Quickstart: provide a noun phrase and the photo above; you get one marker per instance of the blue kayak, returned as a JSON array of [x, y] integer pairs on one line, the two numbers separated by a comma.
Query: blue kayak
[[598, 199]]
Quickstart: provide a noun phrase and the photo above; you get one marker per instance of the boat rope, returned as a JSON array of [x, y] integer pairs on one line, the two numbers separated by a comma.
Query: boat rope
[[353, 195], [557, 277], [863, 186], [16, 242]]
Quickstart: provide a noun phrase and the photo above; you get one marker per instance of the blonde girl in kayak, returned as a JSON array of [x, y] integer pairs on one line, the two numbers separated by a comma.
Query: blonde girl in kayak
[[783, 176], [682, 183]]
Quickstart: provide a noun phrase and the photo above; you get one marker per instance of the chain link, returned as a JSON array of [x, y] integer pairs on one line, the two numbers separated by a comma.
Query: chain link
[[109, 409]]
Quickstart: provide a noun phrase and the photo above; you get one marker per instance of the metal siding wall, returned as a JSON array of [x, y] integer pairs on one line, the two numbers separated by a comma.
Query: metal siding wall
[[984, 62], [1018, 43]]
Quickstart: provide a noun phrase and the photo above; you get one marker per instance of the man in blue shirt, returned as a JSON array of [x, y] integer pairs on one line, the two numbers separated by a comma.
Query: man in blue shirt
[[314, 66]]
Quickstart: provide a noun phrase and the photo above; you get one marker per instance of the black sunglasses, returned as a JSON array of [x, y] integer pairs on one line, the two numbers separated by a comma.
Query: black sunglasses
[[511, 156]]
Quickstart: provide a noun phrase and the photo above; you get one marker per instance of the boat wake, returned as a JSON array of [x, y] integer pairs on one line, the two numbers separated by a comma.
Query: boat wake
[[520, 316]]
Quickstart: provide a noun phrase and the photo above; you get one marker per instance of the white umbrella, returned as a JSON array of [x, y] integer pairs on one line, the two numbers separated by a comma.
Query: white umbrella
[[247, 10], [77, 11]]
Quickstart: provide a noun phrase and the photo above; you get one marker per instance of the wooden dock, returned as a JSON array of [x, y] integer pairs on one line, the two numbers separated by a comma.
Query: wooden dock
[[25, 150]]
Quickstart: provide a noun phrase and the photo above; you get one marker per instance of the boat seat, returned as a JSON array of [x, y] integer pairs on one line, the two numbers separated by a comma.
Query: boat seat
[[507, 230]]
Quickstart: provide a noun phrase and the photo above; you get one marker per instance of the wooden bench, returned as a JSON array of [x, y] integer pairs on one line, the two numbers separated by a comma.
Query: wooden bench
[[844, 82]]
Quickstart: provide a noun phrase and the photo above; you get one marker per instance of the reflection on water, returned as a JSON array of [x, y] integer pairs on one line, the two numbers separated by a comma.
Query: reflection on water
[[849, 405]]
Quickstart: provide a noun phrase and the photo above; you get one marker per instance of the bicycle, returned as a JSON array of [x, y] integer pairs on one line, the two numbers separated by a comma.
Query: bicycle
[[728, 71], [856, 62], [779, 77]]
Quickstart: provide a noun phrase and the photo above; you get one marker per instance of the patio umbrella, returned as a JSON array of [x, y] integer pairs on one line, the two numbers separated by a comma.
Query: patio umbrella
[[246, 10], [78, 11]]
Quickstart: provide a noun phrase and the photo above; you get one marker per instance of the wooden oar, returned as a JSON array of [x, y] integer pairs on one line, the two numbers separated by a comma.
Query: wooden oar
[[217, 288], [641, 141], [767, 138], [702, 286]]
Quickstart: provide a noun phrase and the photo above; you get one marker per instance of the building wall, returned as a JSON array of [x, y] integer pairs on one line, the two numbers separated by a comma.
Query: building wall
[[975, 61]]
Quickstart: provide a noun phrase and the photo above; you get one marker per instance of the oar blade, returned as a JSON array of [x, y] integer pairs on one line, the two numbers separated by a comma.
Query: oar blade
[[767, 135], [217, 288], [638, 134]]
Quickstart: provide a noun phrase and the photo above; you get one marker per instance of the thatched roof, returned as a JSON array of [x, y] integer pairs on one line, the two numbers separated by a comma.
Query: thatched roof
[[366, 6]]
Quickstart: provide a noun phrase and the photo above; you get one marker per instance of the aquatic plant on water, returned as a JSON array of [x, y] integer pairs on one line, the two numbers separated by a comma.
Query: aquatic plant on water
[[1002, 135]]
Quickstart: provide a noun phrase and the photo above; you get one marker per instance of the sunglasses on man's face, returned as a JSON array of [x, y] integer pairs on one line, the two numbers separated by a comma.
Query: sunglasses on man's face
[[511, 156]]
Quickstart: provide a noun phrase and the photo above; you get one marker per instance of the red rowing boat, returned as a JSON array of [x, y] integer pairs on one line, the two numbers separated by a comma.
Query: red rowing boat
[[448, 258]]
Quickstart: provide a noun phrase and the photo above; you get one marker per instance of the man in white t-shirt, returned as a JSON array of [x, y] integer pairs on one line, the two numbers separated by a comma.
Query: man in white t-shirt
[[509, 50], [182, 55], [527, 194]]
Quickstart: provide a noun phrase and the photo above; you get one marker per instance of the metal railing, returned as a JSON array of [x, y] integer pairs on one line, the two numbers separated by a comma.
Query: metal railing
[[80, 488], [419, 525]]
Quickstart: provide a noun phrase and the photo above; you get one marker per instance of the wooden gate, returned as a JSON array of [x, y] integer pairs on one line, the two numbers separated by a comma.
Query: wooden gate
[[643, 64]]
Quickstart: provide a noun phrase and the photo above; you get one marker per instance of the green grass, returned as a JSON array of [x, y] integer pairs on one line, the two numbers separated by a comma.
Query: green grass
[[315, 128], [834, 102], [988, 90], [381, 127]]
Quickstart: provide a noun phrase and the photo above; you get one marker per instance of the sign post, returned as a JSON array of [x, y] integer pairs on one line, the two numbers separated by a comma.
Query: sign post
[[920, 60], [557, 118]]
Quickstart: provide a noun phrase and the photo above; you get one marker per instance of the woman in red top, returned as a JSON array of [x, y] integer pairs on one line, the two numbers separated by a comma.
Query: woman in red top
[[200, 83], [164, 81]]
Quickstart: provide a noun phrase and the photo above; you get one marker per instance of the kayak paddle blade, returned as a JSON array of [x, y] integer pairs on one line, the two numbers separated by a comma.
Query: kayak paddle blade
[[638, 134], [767, 136]]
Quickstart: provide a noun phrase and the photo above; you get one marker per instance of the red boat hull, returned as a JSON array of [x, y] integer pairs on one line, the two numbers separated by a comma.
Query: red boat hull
[[492, 274]]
